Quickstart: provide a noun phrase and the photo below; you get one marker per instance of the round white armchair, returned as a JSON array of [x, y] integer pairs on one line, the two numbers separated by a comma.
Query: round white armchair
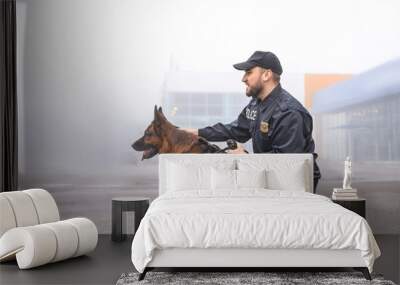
[[31, 230]]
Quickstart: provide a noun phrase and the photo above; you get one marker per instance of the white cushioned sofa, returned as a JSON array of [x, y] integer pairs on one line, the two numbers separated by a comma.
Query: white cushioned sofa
[[31, 231]]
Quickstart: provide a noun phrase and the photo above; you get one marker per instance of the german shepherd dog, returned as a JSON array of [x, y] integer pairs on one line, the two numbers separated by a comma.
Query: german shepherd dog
[[163, 137]]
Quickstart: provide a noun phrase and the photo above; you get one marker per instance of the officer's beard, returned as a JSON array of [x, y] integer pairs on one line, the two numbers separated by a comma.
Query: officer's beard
[[254, 91]]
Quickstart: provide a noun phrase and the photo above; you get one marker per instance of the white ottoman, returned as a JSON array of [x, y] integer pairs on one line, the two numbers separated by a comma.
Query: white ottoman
[[34, 244]]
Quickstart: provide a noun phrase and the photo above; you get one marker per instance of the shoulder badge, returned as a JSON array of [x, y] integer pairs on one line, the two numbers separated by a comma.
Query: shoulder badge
[[264, 126]]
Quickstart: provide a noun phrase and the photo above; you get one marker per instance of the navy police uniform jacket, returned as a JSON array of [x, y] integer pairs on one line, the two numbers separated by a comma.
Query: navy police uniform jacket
[[278, 124]]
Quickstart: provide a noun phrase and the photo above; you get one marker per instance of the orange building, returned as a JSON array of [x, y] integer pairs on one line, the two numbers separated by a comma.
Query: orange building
[[315, 82]]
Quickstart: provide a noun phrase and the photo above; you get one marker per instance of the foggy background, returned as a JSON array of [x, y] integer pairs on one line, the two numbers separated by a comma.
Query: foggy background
[[90, 73]]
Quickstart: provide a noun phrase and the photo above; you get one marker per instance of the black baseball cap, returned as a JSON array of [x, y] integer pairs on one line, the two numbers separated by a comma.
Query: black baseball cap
[[264, 59]]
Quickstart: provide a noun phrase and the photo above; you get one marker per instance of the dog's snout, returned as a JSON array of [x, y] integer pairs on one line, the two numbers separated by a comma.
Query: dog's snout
[[139, 145]]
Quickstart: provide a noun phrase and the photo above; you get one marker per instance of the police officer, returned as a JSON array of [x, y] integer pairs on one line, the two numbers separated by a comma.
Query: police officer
[[274, 120]]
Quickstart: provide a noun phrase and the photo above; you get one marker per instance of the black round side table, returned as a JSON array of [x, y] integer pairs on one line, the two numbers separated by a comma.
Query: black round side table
[[139, 205]]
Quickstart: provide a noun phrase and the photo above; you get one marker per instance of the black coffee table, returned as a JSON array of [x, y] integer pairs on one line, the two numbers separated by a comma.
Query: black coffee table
[[139, 205]]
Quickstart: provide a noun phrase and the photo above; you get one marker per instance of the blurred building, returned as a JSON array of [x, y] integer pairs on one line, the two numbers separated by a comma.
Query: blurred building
[[360, 118], [316, 82], [195, 99]]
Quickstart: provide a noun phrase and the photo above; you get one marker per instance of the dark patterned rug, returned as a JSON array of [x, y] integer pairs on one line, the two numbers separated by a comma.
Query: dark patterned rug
[[269, 278]]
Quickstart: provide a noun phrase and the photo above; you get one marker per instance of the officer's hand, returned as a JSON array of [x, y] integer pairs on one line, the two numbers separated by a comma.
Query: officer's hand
[[192, 131], [239, 150]]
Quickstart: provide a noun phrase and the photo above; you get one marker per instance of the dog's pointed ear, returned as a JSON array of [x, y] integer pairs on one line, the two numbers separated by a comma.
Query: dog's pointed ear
[[159, 116], [156, 115]]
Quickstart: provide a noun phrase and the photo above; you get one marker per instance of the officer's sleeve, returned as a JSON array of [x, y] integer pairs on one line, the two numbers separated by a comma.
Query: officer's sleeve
[[288, 135], [239, 130]]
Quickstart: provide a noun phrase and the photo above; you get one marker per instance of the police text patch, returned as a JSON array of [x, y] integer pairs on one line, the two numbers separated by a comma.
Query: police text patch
[[251, 114]]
